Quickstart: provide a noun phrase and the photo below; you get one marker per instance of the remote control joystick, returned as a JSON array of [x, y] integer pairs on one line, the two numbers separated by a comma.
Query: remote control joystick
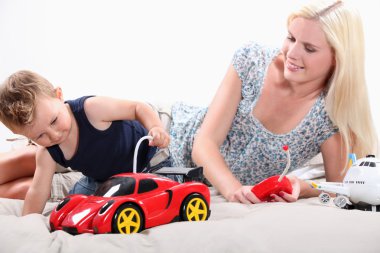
[[274, 184]]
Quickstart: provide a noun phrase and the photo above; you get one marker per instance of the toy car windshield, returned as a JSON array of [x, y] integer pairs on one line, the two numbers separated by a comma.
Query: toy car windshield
[[116, 186]]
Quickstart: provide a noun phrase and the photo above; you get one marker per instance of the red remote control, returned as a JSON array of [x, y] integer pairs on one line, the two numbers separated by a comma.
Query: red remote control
[[271, 185], [274, 184]]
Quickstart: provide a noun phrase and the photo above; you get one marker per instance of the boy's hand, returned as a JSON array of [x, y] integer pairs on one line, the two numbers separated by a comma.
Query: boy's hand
[[161, 138]]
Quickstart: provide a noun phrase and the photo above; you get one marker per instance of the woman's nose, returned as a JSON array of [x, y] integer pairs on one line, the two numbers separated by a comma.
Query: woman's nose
[[294, 51]]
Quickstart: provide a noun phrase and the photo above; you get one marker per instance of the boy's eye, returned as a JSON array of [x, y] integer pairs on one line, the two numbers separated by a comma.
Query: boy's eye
[[54, 121]]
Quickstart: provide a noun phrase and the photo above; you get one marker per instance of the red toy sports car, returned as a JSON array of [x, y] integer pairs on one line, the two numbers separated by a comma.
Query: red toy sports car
[[130, 202]]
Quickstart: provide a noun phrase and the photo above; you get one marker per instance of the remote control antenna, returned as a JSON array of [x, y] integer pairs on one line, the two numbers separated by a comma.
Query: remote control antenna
[[137, 150], [286, 149]]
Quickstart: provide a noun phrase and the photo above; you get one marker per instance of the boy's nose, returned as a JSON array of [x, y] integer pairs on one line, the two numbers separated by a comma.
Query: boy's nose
[[55, 136]]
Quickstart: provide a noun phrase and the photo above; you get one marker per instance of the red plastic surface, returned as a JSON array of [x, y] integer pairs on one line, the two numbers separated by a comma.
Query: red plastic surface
[[270, 186]]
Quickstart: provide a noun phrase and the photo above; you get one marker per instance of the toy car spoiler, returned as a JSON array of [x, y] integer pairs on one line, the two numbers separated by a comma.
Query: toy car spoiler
[[189, 174]]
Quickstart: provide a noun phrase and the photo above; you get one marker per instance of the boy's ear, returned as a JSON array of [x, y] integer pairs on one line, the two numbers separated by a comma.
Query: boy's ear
[[58, 93]]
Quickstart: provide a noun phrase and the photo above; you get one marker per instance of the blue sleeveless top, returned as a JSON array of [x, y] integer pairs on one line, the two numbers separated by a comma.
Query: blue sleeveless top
[[104, 153]]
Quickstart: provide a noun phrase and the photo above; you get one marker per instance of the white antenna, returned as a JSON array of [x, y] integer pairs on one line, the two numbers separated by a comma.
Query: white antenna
[[137, 150], [286, 149]]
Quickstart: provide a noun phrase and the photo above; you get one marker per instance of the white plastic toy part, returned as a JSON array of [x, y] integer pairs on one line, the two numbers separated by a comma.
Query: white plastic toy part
[[137, 151], [342, 201], [360, 186], [286, 149], [324, 197]]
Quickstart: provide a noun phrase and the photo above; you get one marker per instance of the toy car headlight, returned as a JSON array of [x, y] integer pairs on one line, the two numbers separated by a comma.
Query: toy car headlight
[[106, 206]]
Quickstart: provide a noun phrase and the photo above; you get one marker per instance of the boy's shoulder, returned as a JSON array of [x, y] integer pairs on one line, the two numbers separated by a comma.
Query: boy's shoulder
[[78, 103]]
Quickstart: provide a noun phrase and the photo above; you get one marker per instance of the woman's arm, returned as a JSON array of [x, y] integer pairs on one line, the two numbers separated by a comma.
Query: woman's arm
[[334, 158], [334, 161], [211, 136]]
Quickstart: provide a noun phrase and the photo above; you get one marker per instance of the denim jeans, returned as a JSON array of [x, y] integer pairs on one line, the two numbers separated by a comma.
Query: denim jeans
[[85, 185]]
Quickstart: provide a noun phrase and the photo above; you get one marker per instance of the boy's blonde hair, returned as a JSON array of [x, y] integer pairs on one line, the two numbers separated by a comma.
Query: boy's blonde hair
[[347, 99], [18, 96]]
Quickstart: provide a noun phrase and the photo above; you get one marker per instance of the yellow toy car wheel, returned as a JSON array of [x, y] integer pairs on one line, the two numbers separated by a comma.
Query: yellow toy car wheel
[[128, 219], [195, 208]]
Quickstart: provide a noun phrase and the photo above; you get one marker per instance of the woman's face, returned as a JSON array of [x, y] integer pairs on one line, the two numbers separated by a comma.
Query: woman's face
[[308, 56]]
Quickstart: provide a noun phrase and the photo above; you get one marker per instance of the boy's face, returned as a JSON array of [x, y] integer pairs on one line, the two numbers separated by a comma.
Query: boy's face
[[51, 124]]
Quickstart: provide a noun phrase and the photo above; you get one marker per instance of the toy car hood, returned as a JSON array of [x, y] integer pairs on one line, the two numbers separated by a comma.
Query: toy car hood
[[83, 214]]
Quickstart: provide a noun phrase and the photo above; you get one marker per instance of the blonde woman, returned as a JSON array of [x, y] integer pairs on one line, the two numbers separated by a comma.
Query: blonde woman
[[310, 95]]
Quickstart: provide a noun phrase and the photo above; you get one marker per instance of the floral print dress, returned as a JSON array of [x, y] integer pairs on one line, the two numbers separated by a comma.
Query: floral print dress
[[251, 151]]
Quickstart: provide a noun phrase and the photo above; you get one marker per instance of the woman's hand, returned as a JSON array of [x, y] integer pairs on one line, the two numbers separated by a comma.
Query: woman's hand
[[244, 195], [286, 197], [161, 138]]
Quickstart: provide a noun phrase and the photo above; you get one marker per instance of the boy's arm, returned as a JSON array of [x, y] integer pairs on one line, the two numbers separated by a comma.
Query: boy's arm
[[39, 191], [101, 111]]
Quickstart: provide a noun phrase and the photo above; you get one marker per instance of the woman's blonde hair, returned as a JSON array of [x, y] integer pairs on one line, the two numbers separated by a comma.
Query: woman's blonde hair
[[347, 97], [18, 96]]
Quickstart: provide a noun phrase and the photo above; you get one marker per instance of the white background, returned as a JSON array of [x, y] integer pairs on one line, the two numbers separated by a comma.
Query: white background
[[149, 50]]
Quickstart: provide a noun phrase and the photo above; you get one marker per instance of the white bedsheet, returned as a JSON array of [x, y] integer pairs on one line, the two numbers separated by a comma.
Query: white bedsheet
[[304, 226]]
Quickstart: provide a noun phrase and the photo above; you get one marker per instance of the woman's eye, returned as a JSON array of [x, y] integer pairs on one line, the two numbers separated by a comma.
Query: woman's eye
[[309, 49], [290, 38], [54, 121]]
